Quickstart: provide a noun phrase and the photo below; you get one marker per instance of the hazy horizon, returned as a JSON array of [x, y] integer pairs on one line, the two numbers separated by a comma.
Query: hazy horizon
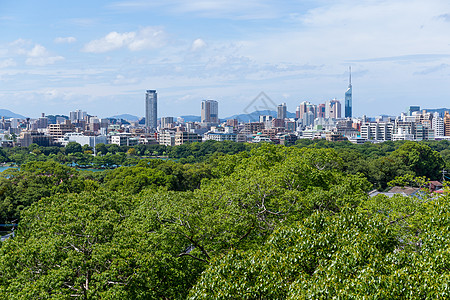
[[102, 56]]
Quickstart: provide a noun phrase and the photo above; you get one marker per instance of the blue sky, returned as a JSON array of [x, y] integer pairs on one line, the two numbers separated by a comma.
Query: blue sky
[[101, 56]]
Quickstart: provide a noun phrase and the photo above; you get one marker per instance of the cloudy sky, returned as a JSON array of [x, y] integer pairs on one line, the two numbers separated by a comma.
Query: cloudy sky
[[100, 56]]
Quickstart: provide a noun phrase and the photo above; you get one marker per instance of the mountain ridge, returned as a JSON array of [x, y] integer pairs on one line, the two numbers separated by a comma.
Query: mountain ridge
[[6, 113]]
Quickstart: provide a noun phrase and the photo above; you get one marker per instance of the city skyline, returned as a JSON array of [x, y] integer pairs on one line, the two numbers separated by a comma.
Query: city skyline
[[99, 56]]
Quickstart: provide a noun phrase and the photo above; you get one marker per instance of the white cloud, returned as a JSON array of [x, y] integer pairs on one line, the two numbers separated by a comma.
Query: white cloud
[[39, 56], [198, 44], [111, 41], [146, 38], [68, 40], [36, 55], [7, 63]]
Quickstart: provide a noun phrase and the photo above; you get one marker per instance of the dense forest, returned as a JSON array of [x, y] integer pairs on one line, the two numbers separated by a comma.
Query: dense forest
[[224, 221]]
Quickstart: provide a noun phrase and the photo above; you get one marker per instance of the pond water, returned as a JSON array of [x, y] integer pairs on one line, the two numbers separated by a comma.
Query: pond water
[[3, 168]]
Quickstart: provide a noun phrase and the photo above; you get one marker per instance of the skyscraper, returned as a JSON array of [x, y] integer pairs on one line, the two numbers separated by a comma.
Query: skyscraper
[[151, 109], [304, 108], [77, 115], [333, 109], [281, 112], [348, 96], [210, 111]]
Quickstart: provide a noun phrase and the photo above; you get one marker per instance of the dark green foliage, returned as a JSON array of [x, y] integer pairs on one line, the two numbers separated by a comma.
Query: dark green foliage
[[34, 180], [266, 222], [73, 147]]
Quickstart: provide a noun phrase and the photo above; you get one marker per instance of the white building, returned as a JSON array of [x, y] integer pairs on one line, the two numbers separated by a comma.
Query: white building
[[166, 138], [437, 124], [402, 135], [81, 139], [377, 131], [227, 134], [333, 109], [124, 139]]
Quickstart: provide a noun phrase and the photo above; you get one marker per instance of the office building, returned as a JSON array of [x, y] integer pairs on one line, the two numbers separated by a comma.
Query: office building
[[447, 124], [42, 122], [437, 124], [412, 109], [308, 118], [321, 111], [348, 96], [377, 131], [124, 139], [267, 120], [281, 111], [59, 130], [182, 137], [333, 109], [210, 112], [278, 123], [227, 134], [166, 138], [77, 115], [304, 108], [166, 122], [232, 122], [28, 137], [151, 110]]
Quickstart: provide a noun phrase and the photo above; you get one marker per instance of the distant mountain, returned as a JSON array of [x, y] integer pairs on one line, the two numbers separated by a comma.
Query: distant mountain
[[441, 111], [254, 116], [244, 118], [127, 117], [9, 114], [191, 118]]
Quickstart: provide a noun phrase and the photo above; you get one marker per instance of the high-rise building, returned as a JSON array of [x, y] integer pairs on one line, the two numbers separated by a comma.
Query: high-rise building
[[437, 124], [210, 112], [232, 122], [412, 109], [42, 122], [151, 109], [304, 108], [281, 111], [308, 118], [77, 115], [447, 124], [166, 122], [321, 110], [333, 109], [348, 96]]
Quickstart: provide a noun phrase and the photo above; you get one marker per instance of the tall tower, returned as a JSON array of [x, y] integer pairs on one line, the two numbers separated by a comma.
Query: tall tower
[[281, 111], [333, 109], [210, 111], [151, 109], [304, 108], [348, 96]]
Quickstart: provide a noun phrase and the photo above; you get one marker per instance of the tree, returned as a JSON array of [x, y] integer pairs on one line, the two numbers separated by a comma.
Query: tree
[[73, 147], [131, 151], [95, 245], [101, 149], [19, 188], [86, 147], [420, 159]]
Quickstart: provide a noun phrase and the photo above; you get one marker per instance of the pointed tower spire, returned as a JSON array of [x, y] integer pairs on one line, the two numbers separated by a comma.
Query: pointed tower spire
[[350, 76], [348, 95]]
